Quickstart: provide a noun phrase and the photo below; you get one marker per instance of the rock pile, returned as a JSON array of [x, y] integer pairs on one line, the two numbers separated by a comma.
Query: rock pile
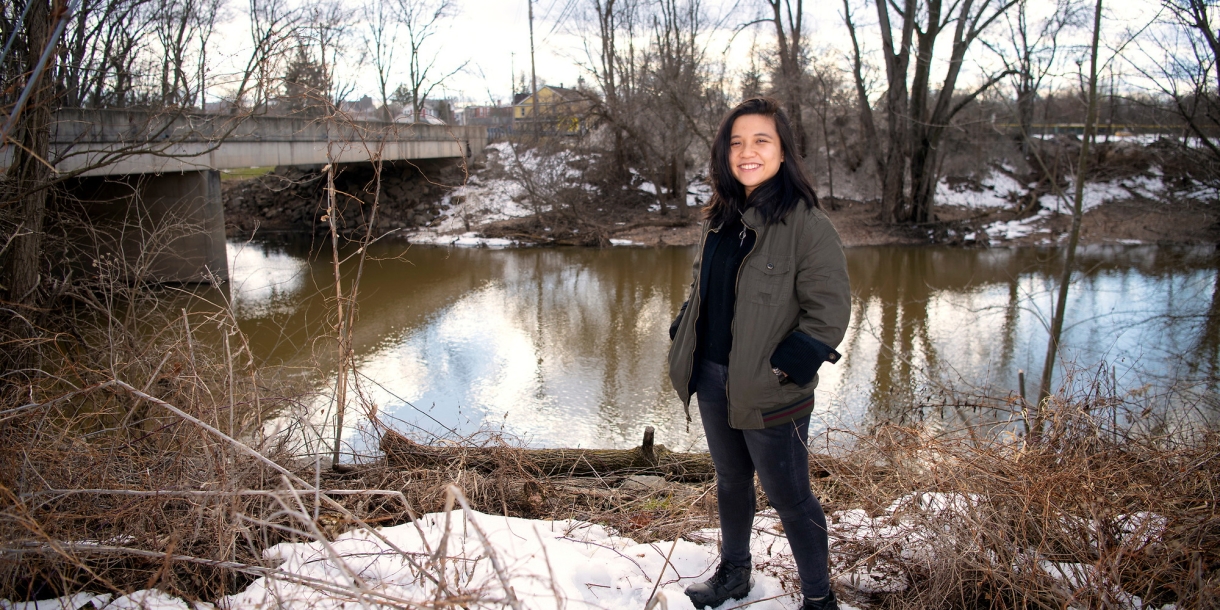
[[293, 199]]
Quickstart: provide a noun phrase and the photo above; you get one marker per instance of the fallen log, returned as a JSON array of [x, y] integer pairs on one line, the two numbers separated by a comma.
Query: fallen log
[[648, 458]]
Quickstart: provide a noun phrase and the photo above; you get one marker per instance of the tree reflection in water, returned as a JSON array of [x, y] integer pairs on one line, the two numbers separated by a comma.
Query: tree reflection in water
[[567, 347], [949, 327]]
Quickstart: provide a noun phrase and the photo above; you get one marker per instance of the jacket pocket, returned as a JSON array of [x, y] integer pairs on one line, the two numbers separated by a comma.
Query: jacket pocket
[[768, 279]]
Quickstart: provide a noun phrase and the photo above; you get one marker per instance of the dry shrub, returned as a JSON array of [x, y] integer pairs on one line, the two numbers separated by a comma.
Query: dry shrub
[[499, 475], [1083, 516], [104, 488], [89, 469], [180, 508]]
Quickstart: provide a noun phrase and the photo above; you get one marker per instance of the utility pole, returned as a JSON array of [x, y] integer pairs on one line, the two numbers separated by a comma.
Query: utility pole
[[533, 71]]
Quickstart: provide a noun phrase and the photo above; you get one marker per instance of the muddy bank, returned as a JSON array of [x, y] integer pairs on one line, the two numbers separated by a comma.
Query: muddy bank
[[292, 199], [440, 201], [1126, 221]]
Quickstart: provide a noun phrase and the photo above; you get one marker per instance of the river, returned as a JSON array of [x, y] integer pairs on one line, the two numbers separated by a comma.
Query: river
[[567, 346]]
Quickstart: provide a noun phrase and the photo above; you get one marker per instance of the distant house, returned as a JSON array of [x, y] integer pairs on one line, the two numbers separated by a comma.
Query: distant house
[[490, 116], [362, 110], [560, 111], [433, 112]]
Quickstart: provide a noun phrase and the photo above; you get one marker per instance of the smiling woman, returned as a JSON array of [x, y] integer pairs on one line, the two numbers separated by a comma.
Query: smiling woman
[[769, 303], [754, 151]]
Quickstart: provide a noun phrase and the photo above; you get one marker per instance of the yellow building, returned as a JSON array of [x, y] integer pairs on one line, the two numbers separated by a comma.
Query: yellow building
[[560, 110]]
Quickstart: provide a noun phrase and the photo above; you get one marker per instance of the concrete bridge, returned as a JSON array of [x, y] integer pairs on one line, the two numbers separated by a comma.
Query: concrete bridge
[[163, 185]]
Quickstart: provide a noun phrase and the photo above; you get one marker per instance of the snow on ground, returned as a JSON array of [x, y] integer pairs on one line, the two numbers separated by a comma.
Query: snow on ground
[[1095, 194], [478, 202], [147, 599], [484, 200], [548, 564], [999, 191], [575, 564]]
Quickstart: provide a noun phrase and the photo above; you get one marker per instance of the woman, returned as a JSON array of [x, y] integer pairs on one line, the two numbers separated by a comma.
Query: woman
[[769, 302]]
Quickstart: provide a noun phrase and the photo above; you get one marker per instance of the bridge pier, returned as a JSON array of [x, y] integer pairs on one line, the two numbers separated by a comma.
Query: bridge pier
[[166, 228], [147, 188]]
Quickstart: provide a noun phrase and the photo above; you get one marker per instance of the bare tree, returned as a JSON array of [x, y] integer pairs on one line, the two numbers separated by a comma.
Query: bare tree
[[175, 27], [1029, 48], [826, 86], [380, 41], [327, 27], [789, 38], [612, 64], [100, 51], [863, 106], [917, 116], [676, 80], [192, 23], [26, 134], [1180, 56], [657, 100], [1082, 169], [272, 24], [422, 19]]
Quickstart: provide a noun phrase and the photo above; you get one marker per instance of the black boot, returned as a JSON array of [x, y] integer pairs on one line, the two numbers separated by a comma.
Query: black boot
[[826, 603], [729, 581]]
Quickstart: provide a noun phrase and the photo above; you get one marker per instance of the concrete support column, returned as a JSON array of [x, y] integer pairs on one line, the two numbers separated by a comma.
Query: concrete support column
[[165, 228], [188, 210]]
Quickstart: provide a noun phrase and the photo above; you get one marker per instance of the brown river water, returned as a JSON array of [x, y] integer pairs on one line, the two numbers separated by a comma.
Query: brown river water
[[566, 347]]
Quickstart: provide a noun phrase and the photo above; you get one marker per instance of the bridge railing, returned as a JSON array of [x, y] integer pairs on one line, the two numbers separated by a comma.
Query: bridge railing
[[76, 126], [117, 141]]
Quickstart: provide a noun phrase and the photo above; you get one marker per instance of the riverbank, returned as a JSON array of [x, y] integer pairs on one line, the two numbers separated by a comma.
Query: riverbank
[[490, 202], [1083, 516]]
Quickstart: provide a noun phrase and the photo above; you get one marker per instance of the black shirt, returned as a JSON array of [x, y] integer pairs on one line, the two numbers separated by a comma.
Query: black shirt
[[724, 250]]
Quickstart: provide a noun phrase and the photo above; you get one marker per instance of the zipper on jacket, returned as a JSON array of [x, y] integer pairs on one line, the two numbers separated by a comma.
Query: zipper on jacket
[[733, 326]]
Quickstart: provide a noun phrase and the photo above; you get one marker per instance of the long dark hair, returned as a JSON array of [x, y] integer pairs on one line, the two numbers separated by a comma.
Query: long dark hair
[[773, 198]]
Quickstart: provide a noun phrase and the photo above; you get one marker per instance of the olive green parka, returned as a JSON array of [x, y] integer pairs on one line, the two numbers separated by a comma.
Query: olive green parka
[[792, 306]]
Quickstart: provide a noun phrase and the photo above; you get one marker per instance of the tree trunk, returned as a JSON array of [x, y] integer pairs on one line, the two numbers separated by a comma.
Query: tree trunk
[[28, 188], [1025, 106], [867, 124], [1090, 130], [679, 184], [790, 66], [897, 60], [923, 178]]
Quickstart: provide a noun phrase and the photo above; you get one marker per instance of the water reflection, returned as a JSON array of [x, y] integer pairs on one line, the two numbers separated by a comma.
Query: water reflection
[[566, 347], [264, 279], [926, 319]]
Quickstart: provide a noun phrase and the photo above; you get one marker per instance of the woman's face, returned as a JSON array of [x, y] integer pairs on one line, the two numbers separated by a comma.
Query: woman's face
[[754, 150]]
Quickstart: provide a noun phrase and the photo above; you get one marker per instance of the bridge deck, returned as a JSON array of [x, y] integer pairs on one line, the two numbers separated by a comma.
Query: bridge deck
[[110, 142]]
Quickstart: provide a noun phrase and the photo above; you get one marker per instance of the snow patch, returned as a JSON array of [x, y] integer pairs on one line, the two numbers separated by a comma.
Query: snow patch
[[465, 240], [549, 564], [555, 564], [998, 191]]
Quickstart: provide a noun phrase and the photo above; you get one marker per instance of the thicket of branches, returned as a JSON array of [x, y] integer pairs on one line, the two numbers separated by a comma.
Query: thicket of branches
[[924, 90], [113, 395]]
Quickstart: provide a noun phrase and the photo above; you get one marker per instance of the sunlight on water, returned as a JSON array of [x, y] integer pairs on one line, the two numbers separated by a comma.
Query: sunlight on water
[[262, 279], [567, 347]]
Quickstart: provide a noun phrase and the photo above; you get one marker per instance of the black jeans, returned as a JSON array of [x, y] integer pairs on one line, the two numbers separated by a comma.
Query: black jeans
[[779, 456]]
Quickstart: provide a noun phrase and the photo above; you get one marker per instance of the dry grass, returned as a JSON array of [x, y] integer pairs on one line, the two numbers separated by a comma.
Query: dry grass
[[1082, 517], [132, 456]]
